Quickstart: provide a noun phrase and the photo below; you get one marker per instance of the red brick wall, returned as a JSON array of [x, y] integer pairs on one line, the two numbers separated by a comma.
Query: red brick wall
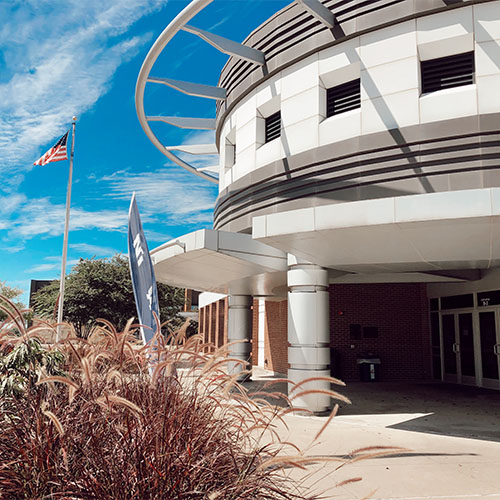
[[400, 311], [276, 337], [212, 322], [226, 313]]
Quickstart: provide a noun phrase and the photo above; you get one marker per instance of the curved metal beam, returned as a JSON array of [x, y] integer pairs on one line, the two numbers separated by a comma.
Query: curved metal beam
[[185, 122], [213, 168], [227, 46], [319, 11], [168, 33], [195, 149], [189, 88]]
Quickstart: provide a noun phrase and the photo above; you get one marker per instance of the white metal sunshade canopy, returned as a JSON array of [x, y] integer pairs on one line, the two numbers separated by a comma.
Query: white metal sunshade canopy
[[224, 45]]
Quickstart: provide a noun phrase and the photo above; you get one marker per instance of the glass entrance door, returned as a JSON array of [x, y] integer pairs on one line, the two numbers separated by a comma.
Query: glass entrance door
[[450, 372], [466, 349], [490, 349], [458, 348]]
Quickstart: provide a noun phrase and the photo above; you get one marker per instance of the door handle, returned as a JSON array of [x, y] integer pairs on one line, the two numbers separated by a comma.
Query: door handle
[[496, 349], [456, 347]]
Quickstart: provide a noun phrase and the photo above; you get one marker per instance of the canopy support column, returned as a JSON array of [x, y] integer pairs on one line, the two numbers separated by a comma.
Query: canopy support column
[[240, 331], [308, 331]]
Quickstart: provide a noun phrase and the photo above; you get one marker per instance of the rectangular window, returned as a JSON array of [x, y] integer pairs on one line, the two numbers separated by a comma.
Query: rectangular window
[[485, 299], [343, 98], [230, 154], [457, 301], [447, 72], [273, 126], [434, 304], [370, 332]]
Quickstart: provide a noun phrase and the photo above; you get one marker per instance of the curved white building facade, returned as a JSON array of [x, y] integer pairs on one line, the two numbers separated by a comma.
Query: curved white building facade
[[359, 147]]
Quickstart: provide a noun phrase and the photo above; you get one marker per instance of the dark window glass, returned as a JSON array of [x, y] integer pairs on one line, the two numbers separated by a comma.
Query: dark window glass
[[434, 304], [355, 332], [466, 337], [485, 299], [447, 72], [273, 126], [488, 334], [449, 342], [370, 332], [457, 301], [195, 298], [435, 330], [343, 98]]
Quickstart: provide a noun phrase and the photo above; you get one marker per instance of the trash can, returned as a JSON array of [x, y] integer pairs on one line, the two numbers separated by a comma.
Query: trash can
[[369, 369]]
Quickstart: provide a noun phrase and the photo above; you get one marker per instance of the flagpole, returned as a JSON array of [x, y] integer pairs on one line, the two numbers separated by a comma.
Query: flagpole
[[66, 229]]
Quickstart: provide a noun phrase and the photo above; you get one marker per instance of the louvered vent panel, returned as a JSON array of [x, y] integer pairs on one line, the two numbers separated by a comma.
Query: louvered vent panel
[[447, 72], [273, 126], [343, 98]]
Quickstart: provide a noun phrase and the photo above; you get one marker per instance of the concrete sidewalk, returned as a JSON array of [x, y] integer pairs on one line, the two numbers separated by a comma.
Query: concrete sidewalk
[[451, 434], [434, 467]]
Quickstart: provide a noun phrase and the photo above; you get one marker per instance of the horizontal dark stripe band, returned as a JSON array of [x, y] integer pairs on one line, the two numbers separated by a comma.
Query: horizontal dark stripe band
[[356, 160], [448, 155]]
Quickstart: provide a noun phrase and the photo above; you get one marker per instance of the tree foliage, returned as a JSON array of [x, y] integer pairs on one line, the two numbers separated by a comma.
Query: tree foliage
[[22, 366], [11, 293], [102, 288]]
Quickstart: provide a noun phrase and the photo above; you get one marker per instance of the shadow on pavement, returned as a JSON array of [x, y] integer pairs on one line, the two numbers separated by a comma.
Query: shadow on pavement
[[405, 455], [442, 408], [451, 409]]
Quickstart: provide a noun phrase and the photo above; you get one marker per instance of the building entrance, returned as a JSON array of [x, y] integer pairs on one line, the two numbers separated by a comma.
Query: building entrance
[[470, 343], [489, 340], [459, 358]]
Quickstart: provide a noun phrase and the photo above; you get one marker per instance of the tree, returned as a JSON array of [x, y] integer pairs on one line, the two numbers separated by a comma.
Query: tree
[[102, 288], [10, 293]]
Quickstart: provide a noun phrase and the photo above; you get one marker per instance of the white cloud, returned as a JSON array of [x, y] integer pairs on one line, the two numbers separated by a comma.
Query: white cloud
[[156, 236], [176, 196], [11, 203], [168, 196], [93, 250], [59, 59], [50, 266], [220, 22], [41, 268], [200, 137], [13, 248], [40, 217]]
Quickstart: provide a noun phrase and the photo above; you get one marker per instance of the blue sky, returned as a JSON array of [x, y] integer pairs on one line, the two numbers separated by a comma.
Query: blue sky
[[64, 58]]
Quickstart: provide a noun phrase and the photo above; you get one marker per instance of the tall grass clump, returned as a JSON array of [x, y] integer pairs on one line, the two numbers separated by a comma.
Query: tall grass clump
[[106, 419]]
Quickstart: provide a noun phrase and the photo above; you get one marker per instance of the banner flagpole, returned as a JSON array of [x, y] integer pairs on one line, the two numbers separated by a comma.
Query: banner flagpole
[[143, 281], [66, 229]]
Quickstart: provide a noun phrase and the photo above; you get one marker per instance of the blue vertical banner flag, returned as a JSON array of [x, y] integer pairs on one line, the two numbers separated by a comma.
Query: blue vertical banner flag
[[142, 274]]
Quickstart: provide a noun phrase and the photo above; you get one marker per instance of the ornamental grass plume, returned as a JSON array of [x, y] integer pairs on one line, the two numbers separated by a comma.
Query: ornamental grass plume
[[103, 428]]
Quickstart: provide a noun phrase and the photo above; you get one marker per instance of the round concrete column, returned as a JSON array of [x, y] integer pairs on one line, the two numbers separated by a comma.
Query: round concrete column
[[240, 329], [308, 330]]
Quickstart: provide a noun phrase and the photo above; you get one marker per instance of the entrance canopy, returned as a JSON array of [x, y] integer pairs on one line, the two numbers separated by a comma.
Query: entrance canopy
[[429, 233], [219, 261]]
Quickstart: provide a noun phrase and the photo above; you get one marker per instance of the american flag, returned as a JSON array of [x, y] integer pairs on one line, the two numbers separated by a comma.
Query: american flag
[[57, 152]]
